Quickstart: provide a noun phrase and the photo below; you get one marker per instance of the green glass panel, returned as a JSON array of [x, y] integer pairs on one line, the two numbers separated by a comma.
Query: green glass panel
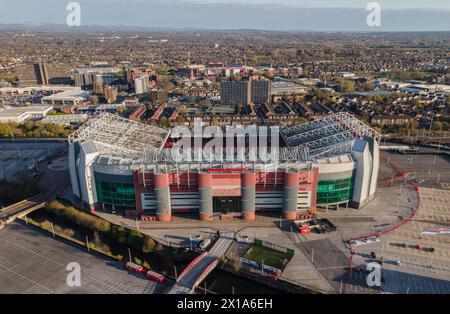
[[334, 191], [115, 193]]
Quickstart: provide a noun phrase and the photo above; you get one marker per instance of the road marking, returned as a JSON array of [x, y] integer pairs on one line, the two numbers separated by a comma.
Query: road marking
[[20, 275], [87, 270]]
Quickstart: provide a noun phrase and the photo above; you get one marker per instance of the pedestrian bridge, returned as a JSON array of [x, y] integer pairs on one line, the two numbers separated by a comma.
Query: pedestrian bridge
[[200, 267]]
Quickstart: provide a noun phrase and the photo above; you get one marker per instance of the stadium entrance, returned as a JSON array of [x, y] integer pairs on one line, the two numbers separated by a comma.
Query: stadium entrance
[[227, 204]]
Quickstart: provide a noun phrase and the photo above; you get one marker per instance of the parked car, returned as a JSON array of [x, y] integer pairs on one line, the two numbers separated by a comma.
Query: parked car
[[373, 255]]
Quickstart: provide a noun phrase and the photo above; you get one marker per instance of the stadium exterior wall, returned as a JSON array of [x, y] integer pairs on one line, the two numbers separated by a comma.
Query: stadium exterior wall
[[349, 179]]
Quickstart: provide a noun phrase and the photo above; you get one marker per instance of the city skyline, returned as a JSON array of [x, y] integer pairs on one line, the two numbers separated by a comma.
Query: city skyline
[[290, 15]]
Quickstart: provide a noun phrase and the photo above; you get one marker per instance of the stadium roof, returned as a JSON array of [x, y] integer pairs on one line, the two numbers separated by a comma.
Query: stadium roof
[[333, 134], [115, 135]]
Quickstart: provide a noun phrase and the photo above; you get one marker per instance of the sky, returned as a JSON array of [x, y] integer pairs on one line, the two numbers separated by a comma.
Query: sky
[[285, 15]]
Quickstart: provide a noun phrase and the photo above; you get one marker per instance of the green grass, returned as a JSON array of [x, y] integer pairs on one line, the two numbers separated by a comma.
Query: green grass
[[270, 257]]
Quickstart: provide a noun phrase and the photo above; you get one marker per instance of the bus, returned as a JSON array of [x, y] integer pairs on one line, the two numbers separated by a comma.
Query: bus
[[135, 268], [155, 276]]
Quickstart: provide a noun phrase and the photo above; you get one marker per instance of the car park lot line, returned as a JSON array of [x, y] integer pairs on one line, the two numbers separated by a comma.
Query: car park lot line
[[32, 262], [26, 278]]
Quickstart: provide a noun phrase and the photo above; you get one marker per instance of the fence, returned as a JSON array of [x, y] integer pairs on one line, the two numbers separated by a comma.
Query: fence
[[260, 267], [274, 246]]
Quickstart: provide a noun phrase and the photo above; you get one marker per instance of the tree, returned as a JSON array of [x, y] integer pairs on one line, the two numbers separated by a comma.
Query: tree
[[417, 103], [445, 125], [299, 120], [34, 129], [214, 121], [119, 257], [238, 109], [46, 225], [437, 126], [162, 69], [345, 86], [68, 232], [414, 124], [136, 239], [237, 264], [149, 244], [368, 86], [164, 122]]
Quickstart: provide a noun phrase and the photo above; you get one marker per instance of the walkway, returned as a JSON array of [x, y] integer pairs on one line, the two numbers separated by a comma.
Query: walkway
[[199, 268]]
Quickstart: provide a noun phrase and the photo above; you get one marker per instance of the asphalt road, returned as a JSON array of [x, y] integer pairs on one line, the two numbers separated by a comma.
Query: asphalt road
[[26, 204]]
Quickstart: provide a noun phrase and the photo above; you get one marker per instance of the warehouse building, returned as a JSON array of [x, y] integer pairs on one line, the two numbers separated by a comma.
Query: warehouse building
[[21, 114], [121, 164]]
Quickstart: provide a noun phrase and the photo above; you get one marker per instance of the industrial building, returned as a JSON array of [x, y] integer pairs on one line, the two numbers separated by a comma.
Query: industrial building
[[69, 97], [121, 164], [20, 114]]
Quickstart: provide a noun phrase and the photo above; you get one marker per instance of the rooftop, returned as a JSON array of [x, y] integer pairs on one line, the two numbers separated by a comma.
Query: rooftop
[[18, 111], [117, 136], [125, 143], [333, 134], [68, 95]]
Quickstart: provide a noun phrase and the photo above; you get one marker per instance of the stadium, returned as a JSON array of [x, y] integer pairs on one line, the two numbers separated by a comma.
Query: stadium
[[119, 164]]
